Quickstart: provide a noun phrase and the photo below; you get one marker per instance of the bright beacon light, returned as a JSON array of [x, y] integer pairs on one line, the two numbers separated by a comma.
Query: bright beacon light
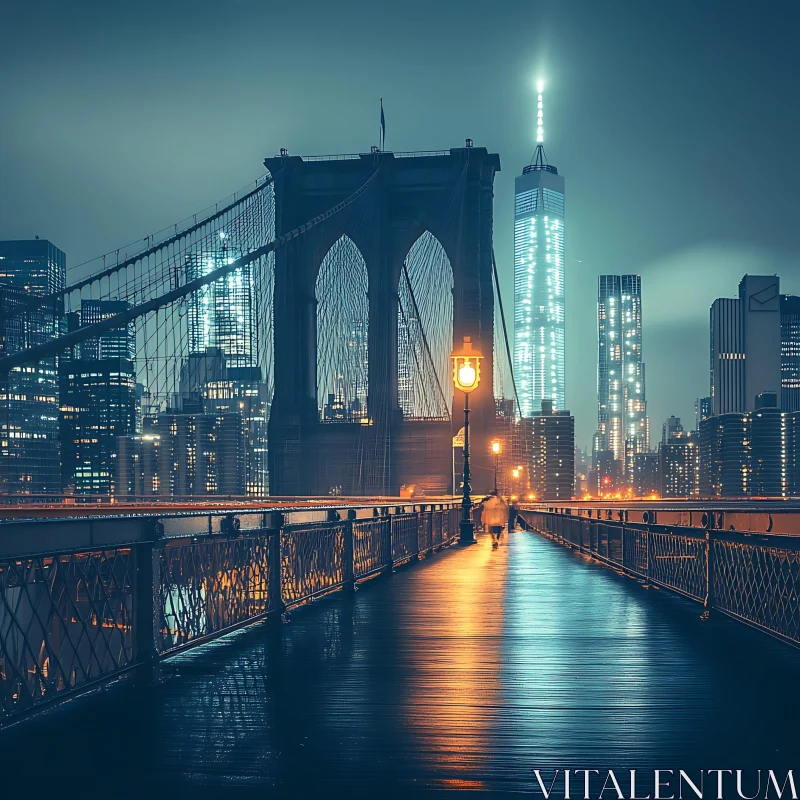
[[539, 113]]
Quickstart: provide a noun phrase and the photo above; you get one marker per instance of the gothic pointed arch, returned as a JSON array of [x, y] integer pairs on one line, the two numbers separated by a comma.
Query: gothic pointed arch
[[425, 330], [342, 333]]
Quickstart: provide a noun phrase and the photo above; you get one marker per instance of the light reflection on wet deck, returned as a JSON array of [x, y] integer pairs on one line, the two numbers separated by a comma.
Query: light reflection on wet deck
[[463, 672]]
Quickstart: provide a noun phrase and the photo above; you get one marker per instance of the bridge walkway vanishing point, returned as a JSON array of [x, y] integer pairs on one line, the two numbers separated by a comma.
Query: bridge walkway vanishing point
[[464, 672]]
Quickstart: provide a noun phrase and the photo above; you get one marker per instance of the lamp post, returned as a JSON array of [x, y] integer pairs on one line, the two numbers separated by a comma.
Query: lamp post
[[515, 474], [466, 376], [496, 453]]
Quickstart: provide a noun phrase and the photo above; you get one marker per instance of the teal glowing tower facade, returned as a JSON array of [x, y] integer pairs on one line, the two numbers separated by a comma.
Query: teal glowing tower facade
[[539, 352]]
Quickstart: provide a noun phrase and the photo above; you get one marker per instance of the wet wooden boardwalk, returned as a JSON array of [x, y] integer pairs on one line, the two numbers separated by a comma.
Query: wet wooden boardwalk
[[466, 671]]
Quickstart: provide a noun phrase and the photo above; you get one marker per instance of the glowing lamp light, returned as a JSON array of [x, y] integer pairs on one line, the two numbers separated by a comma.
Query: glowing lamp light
[[495, 447], [466, 367], [515, 472], [467, 375]]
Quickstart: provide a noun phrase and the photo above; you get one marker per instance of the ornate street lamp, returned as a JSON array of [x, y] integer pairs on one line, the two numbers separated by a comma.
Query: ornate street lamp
[[466, 377], [496, 453]]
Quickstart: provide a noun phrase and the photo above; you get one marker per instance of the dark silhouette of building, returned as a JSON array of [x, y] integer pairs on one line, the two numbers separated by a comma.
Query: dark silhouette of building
[[552, 449], [746, 345], [29, 446], [727, 357]]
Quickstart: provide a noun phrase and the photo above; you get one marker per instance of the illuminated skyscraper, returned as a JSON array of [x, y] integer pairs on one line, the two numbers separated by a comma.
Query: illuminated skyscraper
[[222, 376], [29, 446], [790, 353], [539, 280], [622, 427], [221, 313]]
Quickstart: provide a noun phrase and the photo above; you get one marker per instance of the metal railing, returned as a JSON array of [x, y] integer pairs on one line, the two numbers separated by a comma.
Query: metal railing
[[82, 602], [754, 578]]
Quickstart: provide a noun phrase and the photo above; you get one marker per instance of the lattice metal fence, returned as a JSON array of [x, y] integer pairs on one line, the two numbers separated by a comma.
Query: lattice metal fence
[[754, 578], [405, 537], [211, 584], [758, 584], [70, 619], [312, 559], [65, 621], [372, 546]]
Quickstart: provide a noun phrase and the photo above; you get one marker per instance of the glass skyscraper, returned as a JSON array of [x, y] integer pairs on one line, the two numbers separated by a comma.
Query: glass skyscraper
[[539, 282], [221, 313], [622, 427], [29, 448]]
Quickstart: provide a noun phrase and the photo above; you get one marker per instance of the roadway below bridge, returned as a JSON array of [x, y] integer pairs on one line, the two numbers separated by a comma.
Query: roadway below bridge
[[463, 672]]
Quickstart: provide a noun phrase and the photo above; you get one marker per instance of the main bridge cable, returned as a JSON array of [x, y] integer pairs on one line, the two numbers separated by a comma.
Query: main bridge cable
[[505, 331], [36, 301], [120, 320]]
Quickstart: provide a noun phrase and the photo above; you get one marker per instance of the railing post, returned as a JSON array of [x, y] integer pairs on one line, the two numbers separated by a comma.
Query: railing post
[[386, 532], [148, 602], [649, 548], [275, 597], [708, 600], [348, 553]]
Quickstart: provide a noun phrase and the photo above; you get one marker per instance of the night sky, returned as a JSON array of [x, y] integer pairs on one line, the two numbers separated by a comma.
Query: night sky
[[676, 125]]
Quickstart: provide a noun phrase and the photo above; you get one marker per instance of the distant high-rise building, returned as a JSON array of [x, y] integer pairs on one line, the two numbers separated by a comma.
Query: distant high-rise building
[[36, 266], [97, 401], [184, 455], [727, 357], [539, 307], [790, 353], [759, 296], [220, 315], [115, 343], [646, 479], [221, 375], [754, 454], [552, 453], [29, 446], [671, 429], [622, 425], [243, 392], [747, 345], [679, 464], [702, 409]]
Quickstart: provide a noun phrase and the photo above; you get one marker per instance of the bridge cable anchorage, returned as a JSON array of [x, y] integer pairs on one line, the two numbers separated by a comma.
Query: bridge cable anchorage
[[120, 320], [36, 301]]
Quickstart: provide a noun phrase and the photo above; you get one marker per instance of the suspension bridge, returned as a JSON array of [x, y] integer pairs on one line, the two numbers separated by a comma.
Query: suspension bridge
[[312, 643], [321, 303]]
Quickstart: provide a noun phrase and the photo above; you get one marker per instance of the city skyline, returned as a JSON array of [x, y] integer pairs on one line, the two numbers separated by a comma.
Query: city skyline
[[619, 131]]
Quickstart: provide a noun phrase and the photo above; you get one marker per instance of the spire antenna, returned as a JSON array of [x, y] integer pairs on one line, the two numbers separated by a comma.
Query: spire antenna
[[539, 112]]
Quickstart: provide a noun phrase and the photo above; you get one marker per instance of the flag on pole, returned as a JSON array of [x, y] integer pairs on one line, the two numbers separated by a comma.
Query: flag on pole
[[383, 128]]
